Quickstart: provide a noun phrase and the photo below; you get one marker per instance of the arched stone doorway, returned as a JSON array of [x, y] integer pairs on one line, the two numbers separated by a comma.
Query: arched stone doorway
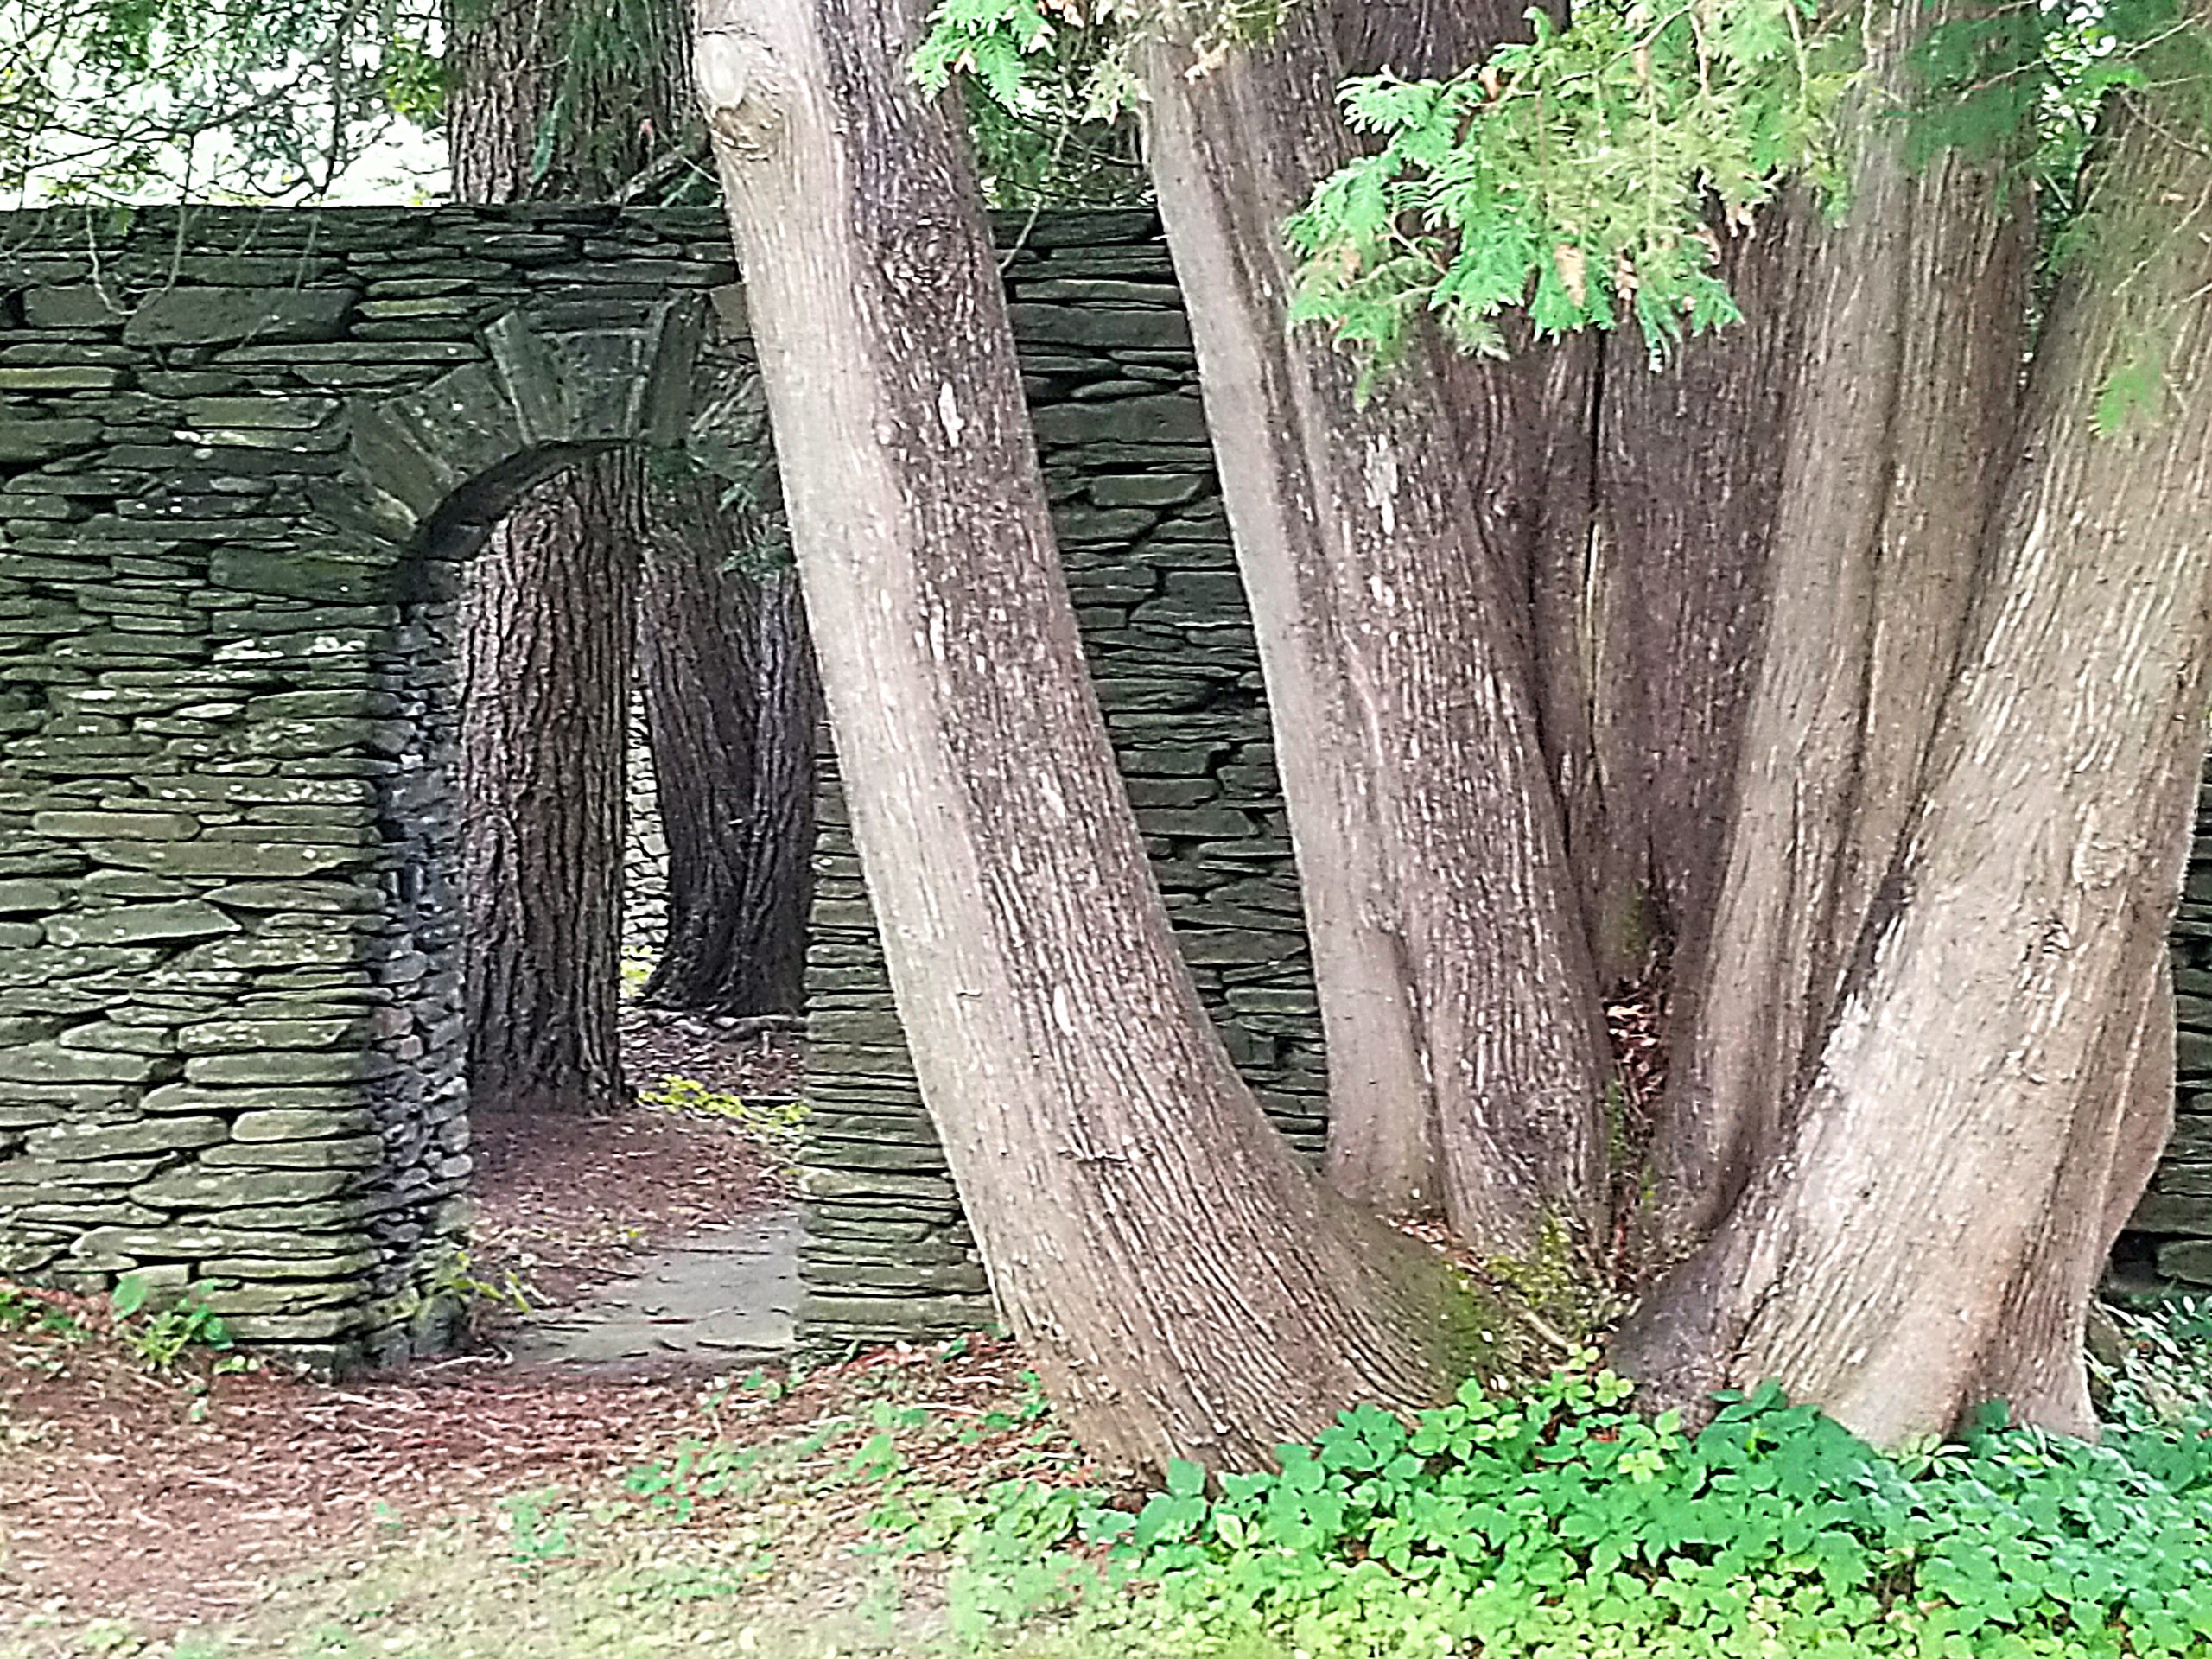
[[232, 1051]]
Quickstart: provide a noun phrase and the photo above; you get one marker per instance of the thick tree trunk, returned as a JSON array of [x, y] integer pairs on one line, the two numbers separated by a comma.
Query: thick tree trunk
[[731, 706], [562, 100], [1464, 1031], [1982, 1109], [552, 101], [1186, 1287], [1651, 593], [549, 645], [1902, 393], [546, 648]]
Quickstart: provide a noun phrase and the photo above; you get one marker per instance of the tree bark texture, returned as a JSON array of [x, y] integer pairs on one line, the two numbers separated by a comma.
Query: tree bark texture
[[1838, 662], [562, 100], [546, 651], [547, 617], [731, 707], [566, 102], [1903, 390], [1185, 1287], [1464, 1031]]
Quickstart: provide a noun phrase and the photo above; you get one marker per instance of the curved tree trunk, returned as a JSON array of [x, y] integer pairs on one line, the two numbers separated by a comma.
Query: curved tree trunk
[[1464, 1036], [1185, 1287], [1901, 408]]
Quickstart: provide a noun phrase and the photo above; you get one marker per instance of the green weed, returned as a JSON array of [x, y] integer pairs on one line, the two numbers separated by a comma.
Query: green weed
[[455, 1277], [1564, 1523], [161, 1333], [25, 1312], [780, 1125]]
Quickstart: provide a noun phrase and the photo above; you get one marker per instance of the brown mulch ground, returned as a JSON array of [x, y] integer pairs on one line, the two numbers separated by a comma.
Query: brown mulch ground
[[721, 1053], [114, 1501], [566, 1204], [561, 1204], [179, 1498]]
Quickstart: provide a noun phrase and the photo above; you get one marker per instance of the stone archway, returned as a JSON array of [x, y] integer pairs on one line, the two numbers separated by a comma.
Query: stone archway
[[230, 1050]]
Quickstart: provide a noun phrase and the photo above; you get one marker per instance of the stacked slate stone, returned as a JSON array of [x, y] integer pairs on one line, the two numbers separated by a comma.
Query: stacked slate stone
[[2170, 1240], [645, 859], [240, 456], [1113, 387]]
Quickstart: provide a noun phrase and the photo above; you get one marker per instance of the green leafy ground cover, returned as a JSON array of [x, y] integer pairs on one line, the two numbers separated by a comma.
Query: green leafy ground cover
[[930, 1507]]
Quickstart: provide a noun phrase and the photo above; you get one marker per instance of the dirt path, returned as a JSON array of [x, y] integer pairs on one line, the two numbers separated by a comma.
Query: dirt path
[[654, 1248], [721, 1299]]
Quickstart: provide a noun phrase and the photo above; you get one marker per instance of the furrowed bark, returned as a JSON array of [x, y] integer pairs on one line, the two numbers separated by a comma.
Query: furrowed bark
[[548, 619], [1466, 1053], [731, 710], [1186, 1287], [697, 627], [546, 656], [1659, 590], [731, 707], [1926, 1236], [2034, 1357], [778, 892], [1903, 395]]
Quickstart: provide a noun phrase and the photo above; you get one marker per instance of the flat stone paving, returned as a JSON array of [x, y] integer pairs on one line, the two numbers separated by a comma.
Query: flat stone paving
[[714, 1299]]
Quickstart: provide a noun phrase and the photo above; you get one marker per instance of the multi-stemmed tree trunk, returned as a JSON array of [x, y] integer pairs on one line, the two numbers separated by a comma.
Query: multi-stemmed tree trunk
[[551, 102], [1983, 1102], [1462, 1018], [1905, 833], [1871, 544]]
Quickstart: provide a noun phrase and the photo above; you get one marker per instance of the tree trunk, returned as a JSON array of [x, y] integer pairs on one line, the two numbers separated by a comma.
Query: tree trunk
[[779, 893], [547, 637], [1651, 593], [1902, 400], [562, 100], [1978, 1113], [1463, 1027], [558, 102], [546, 653], [730, 706], [1186, 1287]]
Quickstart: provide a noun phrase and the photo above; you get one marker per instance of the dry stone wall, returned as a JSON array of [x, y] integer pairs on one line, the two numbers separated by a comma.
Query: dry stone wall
[[2170, 1242], [241, 457]]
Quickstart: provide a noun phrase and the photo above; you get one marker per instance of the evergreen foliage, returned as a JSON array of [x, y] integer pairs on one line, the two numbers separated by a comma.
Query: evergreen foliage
[[1571, 175], [1585, 176], [262, 100]]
